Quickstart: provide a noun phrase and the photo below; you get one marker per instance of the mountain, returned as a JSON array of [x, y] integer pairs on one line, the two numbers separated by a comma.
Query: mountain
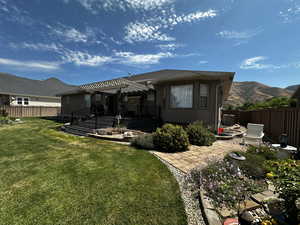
[[19, 85], [250, 91], [293, 87]]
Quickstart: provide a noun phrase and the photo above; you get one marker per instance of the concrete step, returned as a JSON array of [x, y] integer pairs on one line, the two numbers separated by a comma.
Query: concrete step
[[78, 130], [75, 132]]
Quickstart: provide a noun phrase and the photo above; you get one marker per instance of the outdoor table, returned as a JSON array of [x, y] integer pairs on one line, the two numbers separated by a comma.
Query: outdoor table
[[287, 151], [288, 148]]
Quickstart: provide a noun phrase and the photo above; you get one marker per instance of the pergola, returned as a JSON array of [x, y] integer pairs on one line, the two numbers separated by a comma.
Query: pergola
[[116, 86]]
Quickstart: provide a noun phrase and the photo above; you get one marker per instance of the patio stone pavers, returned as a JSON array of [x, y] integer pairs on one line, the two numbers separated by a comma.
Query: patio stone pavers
[[199, 156]]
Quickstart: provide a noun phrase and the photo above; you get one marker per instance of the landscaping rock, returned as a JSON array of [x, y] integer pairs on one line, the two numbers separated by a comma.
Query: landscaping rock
[[264, 196], [227, 212], [192, 207], [249, 204]]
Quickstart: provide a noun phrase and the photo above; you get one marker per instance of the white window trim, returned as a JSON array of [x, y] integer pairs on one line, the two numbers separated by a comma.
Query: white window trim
[[22, 101], [28, 100]]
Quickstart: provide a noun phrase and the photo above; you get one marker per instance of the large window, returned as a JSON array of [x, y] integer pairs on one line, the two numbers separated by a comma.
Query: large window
[[203, 96], [181, 96]]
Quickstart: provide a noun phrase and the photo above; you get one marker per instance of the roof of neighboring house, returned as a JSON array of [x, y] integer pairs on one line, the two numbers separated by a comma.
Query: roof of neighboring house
[[11, 84], [297, 94], [145, 81]]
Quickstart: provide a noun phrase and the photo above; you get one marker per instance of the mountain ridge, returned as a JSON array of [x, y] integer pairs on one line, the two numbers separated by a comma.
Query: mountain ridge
[[252, 91], [52, 86]]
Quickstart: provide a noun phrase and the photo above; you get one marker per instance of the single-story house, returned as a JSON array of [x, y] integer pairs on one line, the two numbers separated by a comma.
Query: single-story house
[[22, 99], [296, 96], [176, 96]]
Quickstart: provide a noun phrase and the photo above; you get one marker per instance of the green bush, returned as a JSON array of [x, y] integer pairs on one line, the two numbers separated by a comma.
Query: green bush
[[143, 141], [285, 175], [199, 134], [3, 113], [264, 151], [171, 138], [252, 167]]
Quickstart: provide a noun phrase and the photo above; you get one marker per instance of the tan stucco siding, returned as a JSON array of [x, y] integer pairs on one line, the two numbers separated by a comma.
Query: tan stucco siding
[[175, 115]]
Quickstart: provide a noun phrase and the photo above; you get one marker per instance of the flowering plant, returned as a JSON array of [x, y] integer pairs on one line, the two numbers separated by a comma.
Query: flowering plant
[[225, 184]]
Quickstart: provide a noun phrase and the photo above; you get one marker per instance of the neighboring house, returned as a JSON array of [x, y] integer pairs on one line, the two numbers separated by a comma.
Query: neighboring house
[[15, 99], [19, 91], [296, 96], [176, 96]]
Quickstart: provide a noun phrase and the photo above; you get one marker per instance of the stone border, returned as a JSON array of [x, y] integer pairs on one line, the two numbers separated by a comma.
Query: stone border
[[191, 204], [211, 216]]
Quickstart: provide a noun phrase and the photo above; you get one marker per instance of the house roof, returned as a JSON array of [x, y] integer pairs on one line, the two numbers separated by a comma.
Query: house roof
[[145, 81], [11, 84], [167, 75]]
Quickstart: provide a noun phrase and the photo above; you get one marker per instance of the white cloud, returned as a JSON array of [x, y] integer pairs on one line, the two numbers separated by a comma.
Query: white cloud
[[151, 29], [132, 58], [255, 63], [10, 12], [292, 12], [38, 46], [171, 46], [40, 65], [69, 34], [94, 6], [85, 59], [239, 34], [144, 32], [147, 4]]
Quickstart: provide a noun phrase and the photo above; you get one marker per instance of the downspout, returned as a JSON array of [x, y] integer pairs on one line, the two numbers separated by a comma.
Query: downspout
[[217, 113]]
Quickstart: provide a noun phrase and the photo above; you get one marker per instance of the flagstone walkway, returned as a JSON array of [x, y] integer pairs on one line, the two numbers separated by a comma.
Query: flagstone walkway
[[199, 156]]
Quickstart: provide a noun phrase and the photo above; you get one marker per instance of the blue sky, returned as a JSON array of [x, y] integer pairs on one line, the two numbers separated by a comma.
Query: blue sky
[[80, 41]]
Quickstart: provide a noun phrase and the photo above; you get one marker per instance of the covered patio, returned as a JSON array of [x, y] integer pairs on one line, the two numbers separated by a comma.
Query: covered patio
[[110, 98]]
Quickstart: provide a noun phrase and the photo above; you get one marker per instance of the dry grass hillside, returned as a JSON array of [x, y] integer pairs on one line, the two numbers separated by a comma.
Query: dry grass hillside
[[242, 92]]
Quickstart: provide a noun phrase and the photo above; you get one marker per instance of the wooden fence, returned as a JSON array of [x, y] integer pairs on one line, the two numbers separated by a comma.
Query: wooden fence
[[31, 111], [276, 122]]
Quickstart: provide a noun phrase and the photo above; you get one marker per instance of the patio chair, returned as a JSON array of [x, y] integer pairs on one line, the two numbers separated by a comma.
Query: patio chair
[[254, 134]]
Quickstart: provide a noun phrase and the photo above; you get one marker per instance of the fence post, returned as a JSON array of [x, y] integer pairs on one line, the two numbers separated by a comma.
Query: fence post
[[96, 121]]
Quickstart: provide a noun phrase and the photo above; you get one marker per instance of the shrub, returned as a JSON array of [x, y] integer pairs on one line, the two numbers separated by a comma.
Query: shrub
[[252, 167], [143, 141], [171, 138], [264, 151], [3, 113], [199, 134], [286, 179]]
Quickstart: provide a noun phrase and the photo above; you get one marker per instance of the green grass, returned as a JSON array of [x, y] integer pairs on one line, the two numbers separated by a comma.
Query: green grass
[[49, 177]]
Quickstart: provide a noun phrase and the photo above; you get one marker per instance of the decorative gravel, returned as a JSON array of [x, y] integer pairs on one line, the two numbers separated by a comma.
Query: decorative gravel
[[191, 203]]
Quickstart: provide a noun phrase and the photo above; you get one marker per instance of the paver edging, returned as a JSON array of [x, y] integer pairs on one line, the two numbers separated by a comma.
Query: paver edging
[[211, 216]]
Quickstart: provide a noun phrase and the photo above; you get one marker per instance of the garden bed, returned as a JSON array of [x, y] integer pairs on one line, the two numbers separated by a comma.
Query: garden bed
[[244, 189]]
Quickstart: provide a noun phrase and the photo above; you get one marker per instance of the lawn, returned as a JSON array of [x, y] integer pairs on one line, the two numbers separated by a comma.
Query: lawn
[[49, 177]]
